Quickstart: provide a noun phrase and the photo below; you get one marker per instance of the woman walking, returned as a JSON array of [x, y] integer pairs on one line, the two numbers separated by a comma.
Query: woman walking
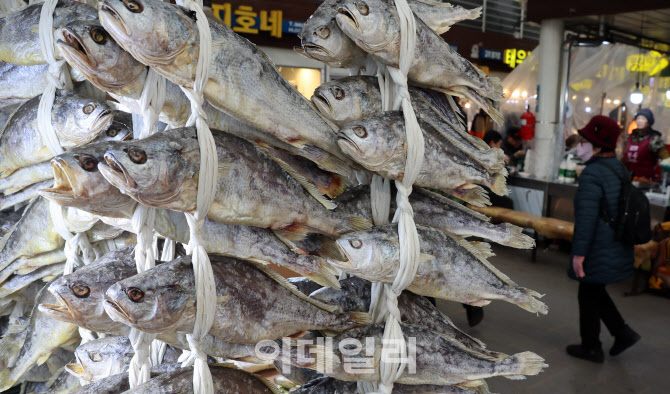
[[598, 259]]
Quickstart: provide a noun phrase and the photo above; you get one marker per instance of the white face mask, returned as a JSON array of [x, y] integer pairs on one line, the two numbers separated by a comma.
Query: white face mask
[[584, 151]]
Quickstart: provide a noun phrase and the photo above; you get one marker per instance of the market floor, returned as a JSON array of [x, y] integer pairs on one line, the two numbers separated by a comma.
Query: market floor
[[644, 368]]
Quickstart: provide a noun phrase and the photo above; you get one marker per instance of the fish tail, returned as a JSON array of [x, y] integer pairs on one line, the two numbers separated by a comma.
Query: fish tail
[[5, 381], [360, 318], [517, 239], [475, 196], [325, 274], [521, 365], [499, 186], [475, 13], [496, 161], [529, 301]]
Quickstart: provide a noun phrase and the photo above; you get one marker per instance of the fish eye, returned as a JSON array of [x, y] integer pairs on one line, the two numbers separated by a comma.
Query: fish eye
[[133, 6], [360, 131], [87, 163], [363, 8], [112, 132], [99, 36], [338, 93], [356, 243], [80, 291], [135, 294], [137, 156], [324, 32], [88, 108], [95, 356]]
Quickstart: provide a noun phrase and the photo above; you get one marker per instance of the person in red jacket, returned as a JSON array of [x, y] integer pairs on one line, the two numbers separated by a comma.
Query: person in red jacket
[[645, 147]]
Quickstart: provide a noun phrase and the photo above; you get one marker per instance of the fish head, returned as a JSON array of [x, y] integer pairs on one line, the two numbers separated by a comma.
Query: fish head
[[159, 171], [154, 32], [369, 23], [374, 142], [323, 40], [119, 130], [88, 47], [353, 296], [79, 120], [368, 250], [101, 358], [161, 299], [80, 295], [78, 183], [348, 99]]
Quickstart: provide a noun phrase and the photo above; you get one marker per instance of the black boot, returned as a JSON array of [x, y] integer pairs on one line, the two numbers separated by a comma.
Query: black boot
[[593, 354], [625, 339], [475, 314]]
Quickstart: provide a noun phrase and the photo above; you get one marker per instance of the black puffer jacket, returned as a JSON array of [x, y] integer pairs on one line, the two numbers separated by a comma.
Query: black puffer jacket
[[607, 261]]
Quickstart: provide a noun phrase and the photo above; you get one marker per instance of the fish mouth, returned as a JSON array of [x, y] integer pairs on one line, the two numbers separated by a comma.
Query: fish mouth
[[65, 186], [75, 46], [118, 313], [62, 311], [322, 103], [116, 173], [108, 14], [336, 260], [347, 15], [78, 369], [342, 138], [103, 121], [312, 49]]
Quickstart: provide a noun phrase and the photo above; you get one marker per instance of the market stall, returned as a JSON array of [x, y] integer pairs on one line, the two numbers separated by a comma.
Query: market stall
[[156, 166]]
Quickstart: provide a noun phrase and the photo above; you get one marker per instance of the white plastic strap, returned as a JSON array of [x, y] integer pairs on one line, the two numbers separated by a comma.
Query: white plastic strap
[[384, 298], [204, 277]]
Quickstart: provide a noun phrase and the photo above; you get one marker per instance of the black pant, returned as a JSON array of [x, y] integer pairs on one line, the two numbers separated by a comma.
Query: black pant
[[595, 305]]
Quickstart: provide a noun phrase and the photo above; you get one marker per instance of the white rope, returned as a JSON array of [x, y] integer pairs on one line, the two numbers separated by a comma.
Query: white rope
[[204, 277], [145, 345], [384, 298]]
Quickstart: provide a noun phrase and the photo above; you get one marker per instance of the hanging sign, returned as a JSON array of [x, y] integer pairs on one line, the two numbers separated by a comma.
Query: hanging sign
[[514, 57], [490, 54], [245, 19]]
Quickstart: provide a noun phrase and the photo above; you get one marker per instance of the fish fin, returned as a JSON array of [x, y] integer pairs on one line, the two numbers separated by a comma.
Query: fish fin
[[531, 302], [479, 303], [332, 163], [357, 223], [291, 287], [484, 249], [8, 348], [477, 253], [424, 257], [326, 183], [500, 185], [43, 358], [521, 365], [298, 335], [478, 386], [326, 274], [290, 238], [498, 161], [462, 124], [361, 318], [475, 196], [485, 103], [452, 204], [295, 173], [223, 299], [517, 239]]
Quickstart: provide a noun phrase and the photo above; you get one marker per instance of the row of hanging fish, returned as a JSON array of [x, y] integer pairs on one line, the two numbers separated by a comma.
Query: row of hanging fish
[[291, 191]]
